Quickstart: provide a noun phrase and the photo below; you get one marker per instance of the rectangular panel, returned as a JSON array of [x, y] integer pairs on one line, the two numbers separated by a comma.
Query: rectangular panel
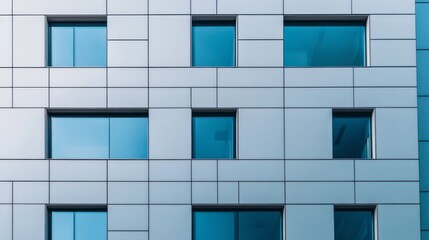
[[82, 137], [90, 225], [260, 53], [317, 219], [324, 44], [213, 43], [213, 136], [317, 6], [128, 217], [128, 137]]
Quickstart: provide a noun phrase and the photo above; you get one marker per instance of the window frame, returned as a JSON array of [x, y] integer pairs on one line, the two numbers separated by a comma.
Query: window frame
[[73, 22], [87, 114], [214, 21], [332, 20], [357, 112], [231, 113], [74, 209], [357, 208], [236, 210]]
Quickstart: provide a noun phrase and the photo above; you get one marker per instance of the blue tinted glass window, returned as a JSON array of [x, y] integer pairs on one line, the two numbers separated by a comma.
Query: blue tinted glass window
[[237, 225], [424, 165], [354, 225], [423, 115], [78, 225], [260, 225], [324, 44], [213, 43], [213, 136], [77, 44], [79, 137], [95, 137], [352, 135], [422, 21], [423, 71], [424, 209], [128, 137], [214, 226]]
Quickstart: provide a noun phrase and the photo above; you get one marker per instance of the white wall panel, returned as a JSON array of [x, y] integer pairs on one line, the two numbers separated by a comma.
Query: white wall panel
[[31, 77], [75, 7], [127, 53], [170, 41], [249, 7], [308, 133], [29, 53], [169, 192], [317, 6], [21, 138], [127, 27], [319, 192], [387, 192], [396, 133], [128, 217], [128, 193], [261, 128], [260, 53], [177, 218], [170, 170], [396, 222], [31, 192], [30, 97], [170, 133], [77, 77], [310, 222], [260, 27], [5, 40], [78, 193], [29, 222]]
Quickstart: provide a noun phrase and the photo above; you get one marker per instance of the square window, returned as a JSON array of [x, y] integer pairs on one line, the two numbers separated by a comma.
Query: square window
[[354, 224], [98, 136], [324, 43], [213, 135], [213, 43], [352, 135], [78, 225], [77, 44], [237, 225]]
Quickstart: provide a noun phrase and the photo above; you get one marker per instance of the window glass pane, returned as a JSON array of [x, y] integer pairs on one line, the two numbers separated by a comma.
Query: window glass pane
[[128, 137], [354, 225], [352, 135], [259, 225], [213, 137], [214, 226], [424, 165], [424, 209], [213, 44], [90, 45], [422, 21], [423, 110], [91, 225], [423, 71], [61, 45], [324, 44], [62, 226], [425, 235], [79, 137]]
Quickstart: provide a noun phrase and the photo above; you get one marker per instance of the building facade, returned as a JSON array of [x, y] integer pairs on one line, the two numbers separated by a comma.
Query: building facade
[[212, 119]]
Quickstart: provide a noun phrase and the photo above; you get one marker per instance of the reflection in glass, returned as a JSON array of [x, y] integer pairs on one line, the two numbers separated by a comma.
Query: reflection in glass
[[213, 136], [77, 44], [352, 135], [128, 137], [354, 225], [260, 225], [98, 137], [324, 44], [213, 43], [237, 225], [214, 226], [79, 137], [79, 225]]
